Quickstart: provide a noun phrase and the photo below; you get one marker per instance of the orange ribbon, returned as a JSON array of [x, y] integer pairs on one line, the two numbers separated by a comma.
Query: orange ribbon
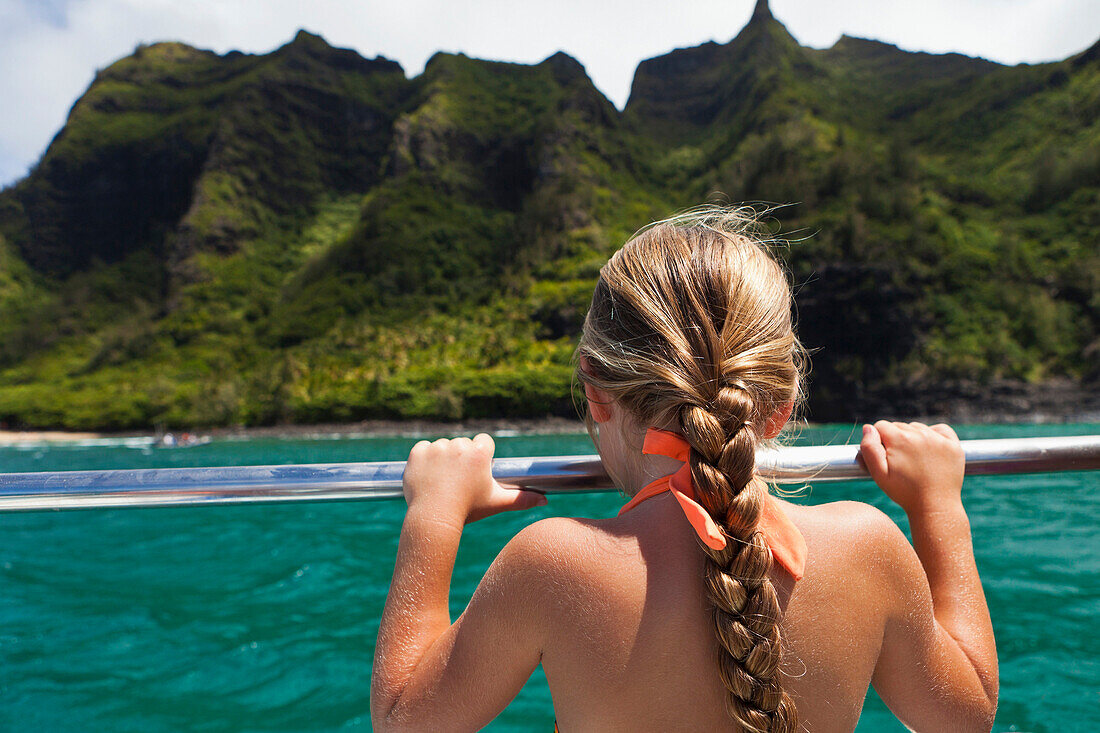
[[785, 541]]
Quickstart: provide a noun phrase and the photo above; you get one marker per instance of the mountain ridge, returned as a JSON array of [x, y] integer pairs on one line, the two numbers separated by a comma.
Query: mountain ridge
[[308, 235]]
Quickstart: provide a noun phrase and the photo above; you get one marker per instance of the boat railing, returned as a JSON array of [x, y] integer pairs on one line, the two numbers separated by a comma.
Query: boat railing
[[557, 474]]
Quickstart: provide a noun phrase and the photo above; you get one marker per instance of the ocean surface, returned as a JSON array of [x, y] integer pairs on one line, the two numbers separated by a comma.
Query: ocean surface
[[263, 618]]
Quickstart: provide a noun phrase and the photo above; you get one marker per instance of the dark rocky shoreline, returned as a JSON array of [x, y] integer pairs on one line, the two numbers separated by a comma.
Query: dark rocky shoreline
[[973, 402], [961, 402]]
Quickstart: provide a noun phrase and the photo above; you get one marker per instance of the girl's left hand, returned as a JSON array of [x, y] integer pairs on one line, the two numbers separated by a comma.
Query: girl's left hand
[[454, 478]]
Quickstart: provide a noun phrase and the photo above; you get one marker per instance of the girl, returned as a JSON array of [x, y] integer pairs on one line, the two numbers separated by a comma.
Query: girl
[[707, 604]]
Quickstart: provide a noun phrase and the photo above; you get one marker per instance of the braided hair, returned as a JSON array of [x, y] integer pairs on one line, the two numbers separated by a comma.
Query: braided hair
[[691, 326]]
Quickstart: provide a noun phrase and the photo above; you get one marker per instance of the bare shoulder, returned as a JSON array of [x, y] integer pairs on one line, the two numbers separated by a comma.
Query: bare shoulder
[[553, 550], [859, 547], [556, 529], [526, 579], [850, 531], [849, 517]]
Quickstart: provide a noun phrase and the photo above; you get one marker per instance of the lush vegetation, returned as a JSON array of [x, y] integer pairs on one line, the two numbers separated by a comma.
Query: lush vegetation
[[311, 236]]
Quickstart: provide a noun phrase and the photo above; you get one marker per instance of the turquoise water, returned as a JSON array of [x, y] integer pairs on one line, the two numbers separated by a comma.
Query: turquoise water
[[263, 618]]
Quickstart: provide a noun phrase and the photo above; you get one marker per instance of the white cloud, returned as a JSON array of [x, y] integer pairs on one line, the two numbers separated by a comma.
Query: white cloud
[[50, 49]]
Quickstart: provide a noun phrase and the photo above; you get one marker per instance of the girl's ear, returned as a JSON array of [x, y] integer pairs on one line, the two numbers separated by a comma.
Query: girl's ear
[[599, 403], [778, 419]]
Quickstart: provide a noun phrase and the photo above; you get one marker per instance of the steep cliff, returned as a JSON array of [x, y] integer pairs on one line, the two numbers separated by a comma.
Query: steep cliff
[[310, 235]]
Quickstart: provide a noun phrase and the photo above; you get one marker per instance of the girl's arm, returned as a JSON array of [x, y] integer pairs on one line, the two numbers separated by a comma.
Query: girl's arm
[[429, 674], [937, 668]]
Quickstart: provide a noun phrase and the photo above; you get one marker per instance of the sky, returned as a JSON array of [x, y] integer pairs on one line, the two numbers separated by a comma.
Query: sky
[[51, 49]]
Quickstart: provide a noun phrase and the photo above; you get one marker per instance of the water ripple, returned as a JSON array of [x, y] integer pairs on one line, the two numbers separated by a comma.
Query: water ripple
[[263, 618]]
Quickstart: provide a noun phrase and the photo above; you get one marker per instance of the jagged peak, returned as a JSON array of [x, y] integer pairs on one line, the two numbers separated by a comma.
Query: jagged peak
[[446, 60], [303, 37], [441, 59], [147, 56], [762, 24], [871, 50], [304, 41], [565, 68], [306, 44], [174, 51], [169, 47], [857, 42], [846, 39], [761, 12], [562, 59]]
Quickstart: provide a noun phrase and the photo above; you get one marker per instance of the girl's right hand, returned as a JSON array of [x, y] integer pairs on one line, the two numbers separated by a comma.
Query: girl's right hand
[[919, 467], [937, 666], [454, 479]]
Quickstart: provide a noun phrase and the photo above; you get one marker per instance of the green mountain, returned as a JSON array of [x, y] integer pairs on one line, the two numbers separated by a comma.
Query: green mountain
[[309, 235]]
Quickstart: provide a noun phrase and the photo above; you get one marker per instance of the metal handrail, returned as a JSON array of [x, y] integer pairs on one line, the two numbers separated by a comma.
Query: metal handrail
[[382, 480]]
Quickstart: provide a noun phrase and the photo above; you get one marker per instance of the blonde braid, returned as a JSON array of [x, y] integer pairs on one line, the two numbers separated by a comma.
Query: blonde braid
[[690, 326], [746, 606]]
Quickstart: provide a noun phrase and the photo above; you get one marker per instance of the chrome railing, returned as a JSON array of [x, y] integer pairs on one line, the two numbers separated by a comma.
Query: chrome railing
[[382, 480]]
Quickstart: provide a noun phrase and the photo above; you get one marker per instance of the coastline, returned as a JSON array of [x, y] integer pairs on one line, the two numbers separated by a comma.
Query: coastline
[[502, 427]]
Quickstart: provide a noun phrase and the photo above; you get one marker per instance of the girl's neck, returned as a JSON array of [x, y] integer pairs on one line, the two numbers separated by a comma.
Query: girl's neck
[[620, 448]]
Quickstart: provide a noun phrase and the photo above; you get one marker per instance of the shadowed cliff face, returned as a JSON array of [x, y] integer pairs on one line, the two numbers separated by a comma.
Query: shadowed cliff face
[[489, 171], [308, 235], [718, 90], [178, 150]]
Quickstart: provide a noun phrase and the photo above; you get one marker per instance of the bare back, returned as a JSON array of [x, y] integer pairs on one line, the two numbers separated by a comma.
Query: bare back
[[616, 613], [631, 642]]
